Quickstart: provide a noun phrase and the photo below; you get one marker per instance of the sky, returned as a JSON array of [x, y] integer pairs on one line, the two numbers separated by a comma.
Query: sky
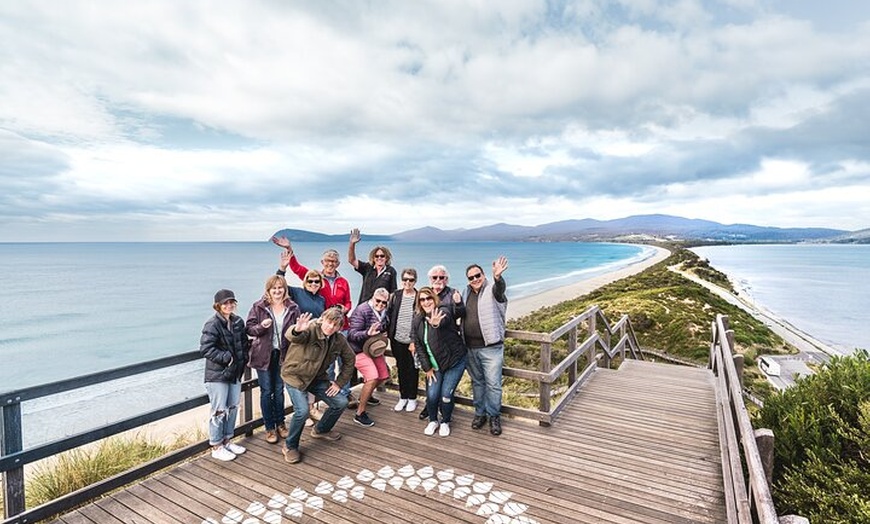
[[196, 120]]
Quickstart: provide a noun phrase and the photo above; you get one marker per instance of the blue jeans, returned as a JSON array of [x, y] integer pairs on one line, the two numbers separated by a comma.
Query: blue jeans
[[224, 400], [345, 389], [440, 392], [484, 368], [299, 397], [271, 393]]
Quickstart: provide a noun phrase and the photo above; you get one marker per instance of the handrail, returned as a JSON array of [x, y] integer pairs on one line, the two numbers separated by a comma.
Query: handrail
[[595, 345], [746, 501]]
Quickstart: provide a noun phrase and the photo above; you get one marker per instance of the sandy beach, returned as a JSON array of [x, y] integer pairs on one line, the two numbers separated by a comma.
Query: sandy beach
[[193, 422]]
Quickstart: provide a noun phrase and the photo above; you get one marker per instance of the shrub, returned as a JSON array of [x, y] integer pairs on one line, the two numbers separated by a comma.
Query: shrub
[[822, 444]]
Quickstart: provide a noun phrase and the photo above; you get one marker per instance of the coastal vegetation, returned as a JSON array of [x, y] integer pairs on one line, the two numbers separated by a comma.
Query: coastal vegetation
[[670, 315], [822, 442]]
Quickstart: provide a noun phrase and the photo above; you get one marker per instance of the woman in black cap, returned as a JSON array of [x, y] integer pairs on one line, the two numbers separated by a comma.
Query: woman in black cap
[[224, 344]]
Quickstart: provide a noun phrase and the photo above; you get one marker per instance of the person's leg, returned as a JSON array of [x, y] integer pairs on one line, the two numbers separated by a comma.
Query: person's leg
[[407, 372], [369, 370], [336, 405], [277, 390], [217, 397], [433, 396], [478, 382], [267, 402], [492, 360], [234, 395], [299, 399], [449, 380]]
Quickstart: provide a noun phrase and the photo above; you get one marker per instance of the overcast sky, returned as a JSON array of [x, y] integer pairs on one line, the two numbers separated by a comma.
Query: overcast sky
[[195, 120]]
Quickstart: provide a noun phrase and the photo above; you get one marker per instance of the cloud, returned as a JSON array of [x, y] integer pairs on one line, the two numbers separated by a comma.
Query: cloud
[[397, 115]]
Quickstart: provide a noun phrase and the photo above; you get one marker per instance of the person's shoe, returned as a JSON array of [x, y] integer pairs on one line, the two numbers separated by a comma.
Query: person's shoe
[[352, 403], [309, 422], [315, 414], [372, 401], [411, 406], [478, 421], [235, 449], [363, 420], [271, 436], [401, 404], [291, 456], [495, 425], [223, 454], [424, 414], [430, 429], [283, 432], [331, 436], [444, 429]]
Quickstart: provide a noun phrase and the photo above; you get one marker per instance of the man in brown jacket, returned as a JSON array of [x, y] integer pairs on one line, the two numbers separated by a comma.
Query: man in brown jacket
[[314, 346]]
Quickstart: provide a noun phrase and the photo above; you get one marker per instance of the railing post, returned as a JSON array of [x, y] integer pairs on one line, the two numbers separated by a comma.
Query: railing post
[[764, 440], [11, 441], [736, 357], [248, 411], [546, 366], [572, 345]]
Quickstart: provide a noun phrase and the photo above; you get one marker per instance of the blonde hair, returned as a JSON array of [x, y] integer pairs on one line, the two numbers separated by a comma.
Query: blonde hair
[[426, 291], [333, 315], [313, 274], [271, 282], [389, 255]]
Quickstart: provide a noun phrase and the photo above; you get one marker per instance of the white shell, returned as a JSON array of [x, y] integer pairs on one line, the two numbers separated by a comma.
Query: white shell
[[255, 508], [446, 487], [425, 472], [482, 487], [461, 493], [324, 488], [345, 482], [278, 500], [447, 474], [474, 500], [465, 480], [299, 494], [498, 519], [428, 484], [397, 482], [515, 508], [365, 475], [500, 497], [380, 484], [233, 516], [294, 509], [340, 496], [386, 472], [358, 492], [406, 471], [272, 517], [413, 482], [314, 503]]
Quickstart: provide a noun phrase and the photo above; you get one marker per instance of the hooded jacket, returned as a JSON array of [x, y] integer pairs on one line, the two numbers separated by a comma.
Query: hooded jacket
[[309, 353], [261, 345], [224, 344]]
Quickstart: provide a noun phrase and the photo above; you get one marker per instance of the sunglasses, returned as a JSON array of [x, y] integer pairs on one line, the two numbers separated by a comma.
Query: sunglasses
[[313, 281], [438, 277], [379, 301], [381, 256], [474, 276], [426, 299], [408, 279]]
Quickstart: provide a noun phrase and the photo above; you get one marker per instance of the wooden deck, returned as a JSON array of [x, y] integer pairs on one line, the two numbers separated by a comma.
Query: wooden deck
[[637, 445]]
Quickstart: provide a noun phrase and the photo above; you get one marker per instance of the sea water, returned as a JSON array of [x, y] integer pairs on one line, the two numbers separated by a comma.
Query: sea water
[[821, 289], [71, 309]]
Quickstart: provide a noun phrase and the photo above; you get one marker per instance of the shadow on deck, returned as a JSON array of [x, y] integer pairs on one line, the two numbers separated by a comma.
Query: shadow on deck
[[637, 444]]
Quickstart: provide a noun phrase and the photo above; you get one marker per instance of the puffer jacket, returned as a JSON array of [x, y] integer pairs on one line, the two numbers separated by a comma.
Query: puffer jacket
[[261, 345], [308, 352], [444, 341], [224, 344]]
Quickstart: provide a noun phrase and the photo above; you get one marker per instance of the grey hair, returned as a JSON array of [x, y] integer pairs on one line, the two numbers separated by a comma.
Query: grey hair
[[381, 291], [437, 269]]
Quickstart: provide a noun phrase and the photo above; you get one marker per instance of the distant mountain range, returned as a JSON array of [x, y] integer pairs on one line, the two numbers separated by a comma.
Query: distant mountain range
[[633, 228]]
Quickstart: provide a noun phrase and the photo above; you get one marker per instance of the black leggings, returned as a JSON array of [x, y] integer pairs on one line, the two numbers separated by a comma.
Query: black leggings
[[409, 376]]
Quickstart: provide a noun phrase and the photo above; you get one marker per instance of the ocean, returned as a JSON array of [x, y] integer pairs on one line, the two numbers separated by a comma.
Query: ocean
[[820, 289], [76, 308]]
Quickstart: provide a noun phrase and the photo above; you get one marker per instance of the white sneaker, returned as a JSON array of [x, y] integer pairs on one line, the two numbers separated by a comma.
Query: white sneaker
[[411, 406], [401, 404], [430, 429], [222, 454], [309, 422], [444, 430], [235, 449]]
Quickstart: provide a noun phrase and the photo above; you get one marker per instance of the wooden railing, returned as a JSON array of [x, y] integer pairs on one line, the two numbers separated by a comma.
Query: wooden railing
[[747, 454], [596, 346]]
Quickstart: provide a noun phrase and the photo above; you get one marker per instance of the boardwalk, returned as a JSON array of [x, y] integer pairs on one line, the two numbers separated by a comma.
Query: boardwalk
[[638, 444]]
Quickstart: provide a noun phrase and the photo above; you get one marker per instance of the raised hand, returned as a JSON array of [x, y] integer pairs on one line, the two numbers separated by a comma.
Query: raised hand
[[285, 259], [436, 318], [374, 329], [282, 242], [355, 235], [457, 297], [499, 266], [302, 322]]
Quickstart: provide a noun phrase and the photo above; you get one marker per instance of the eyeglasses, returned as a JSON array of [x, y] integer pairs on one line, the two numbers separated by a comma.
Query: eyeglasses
[[474, 276], [379, 301], [426, 299], [313, 281], [329, 261], [408, 279], [380, 255], [438, 277]]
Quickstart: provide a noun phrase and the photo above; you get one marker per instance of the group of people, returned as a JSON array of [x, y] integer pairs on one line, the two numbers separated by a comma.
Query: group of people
[[310, 341]]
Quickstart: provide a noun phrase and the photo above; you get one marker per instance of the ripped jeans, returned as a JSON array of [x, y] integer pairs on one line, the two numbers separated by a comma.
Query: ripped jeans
[[224, 399], [440, 392]]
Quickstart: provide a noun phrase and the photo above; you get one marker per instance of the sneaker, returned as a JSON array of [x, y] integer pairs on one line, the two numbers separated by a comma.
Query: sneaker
[[363, 420], [235, 449], [223, 454], [331, 436], [401, 404], [424, 414], [478, 421], [430, 429], [315, 414], [352, 402], [495, 425], [291, 456], [372, 401], [444, 429], [283, 432], [309, 422], [412, 406], [271, 436]]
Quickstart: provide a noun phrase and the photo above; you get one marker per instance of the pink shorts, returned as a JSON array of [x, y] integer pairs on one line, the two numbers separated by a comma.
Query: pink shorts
[[372, 368]]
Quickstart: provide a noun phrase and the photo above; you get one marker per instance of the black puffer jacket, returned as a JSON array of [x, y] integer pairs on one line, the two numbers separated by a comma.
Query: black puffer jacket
[[444, 342], [225, 347]]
